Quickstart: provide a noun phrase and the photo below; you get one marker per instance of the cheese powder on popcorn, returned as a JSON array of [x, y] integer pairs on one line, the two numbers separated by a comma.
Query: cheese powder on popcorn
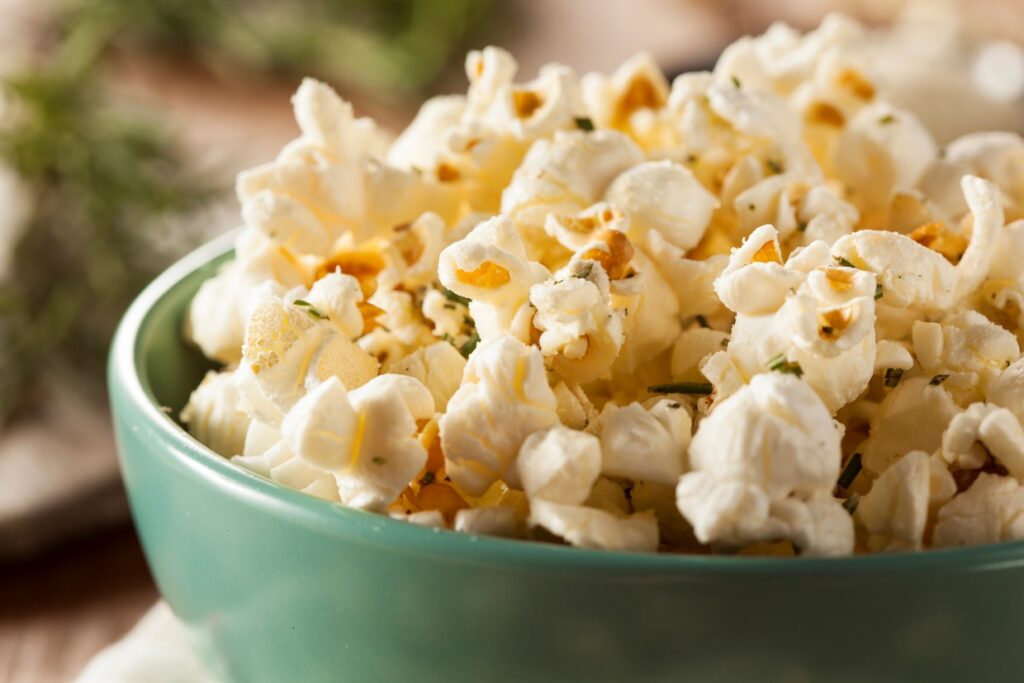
[[754, 310]]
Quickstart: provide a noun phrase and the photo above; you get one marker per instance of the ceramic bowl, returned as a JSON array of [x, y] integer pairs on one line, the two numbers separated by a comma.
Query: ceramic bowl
[[276, 586]]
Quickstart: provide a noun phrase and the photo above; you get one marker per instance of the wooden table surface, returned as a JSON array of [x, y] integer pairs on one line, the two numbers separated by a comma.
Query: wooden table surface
[[58, 610]]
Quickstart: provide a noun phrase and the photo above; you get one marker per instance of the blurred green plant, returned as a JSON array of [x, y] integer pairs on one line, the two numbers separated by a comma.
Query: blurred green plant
[[105, 187], [392, 49]]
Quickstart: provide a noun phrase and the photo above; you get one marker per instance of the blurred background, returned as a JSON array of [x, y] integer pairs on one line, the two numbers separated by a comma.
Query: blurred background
[[123, 123]]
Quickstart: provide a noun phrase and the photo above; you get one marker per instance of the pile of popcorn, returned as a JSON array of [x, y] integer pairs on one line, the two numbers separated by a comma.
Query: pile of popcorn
[[752, 311]]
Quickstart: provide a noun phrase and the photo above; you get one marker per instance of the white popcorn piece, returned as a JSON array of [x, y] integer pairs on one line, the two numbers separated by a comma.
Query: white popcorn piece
[[985, 425], [1007, 390], [755, 280], [895, 510], [288, 350], [664, 197], [587, 527], [636, 87], [913, 275], [890, 354], [691, 348], [990, 511], [338, 296], [503, 399], [644, 442], [491, 520], [579, 330], [576, 232], [913, 416], [883, 149], [213, 416], [574, 408], [559, 465], [538, 108], [267, 455], [566, 173], [447, 316], [218, 313], [438, 367], [771, 444], [431, 519], [966, 343], [690, 280], [652, 321], [366, 438], [422, 141], [490, 267], [415, 250]]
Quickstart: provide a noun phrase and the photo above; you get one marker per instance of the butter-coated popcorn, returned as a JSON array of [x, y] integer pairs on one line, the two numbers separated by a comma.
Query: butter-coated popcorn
[[755, 309]]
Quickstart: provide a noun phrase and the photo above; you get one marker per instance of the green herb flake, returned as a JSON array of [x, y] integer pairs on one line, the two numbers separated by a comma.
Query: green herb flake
[[938, 379], [892, 377], [887, 119], [851, 503], [801, 226], [377, 460], [584, 271], [428, 478], [584, 123], [879, 292], [844, 262], [449, 305], [850, 472], [736, 82], [702, 321], [690, 388], [827, 330], [452, 296], [780, 364], [468, 347], [774, 166], [311, 309]]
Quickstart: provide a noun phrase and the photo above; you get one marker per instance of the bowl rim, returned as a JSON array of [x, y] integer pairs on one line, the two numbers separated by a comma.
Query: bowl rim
[[126, 377]]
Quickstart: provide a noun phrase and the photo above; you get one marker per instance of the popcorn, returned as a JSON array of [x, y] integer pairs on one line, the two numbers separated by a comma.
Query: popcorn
[[644, 442], [503, 399], [883, 149], [366, 438], [912, 416], [493, 520], [438, 367], [565, 174], [896, 509], [559, 465], [914, 276], [291, 348], [759, 463], [592, 528], [579, 330], [511, 320], [995, 429], [212, 414], [337, 296], [968, 345], [988, 512], [664, 197], [490, 267]]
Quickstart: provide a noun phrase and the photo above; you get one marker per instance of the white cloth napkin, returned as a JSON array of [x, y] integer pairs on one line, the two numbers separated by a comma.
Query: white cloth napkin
[[155, 651]]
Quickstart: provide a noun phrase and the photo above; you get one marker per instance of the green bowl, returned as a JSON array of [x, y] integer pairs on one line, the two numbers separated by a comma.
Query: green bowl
[[276, 586]]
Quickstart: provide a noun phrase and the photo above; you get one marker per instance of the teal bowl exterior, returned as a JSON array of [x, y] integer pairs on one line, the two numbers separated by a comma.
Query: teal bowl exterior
[[276, 586]]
